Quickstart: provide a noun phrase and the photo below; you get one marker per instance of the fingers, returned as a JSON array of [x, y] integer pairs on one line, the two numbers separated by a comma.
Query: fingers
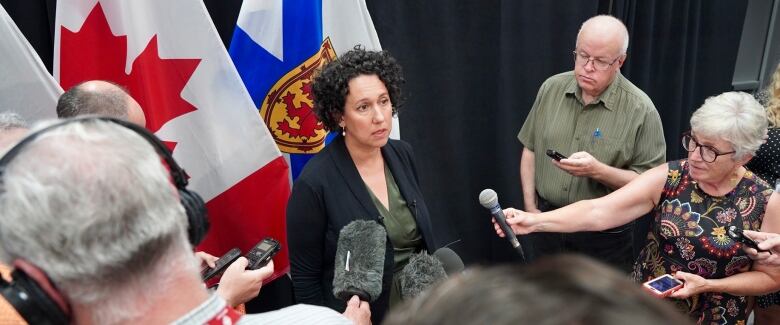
[[756, 235], [752, 253], [267, 270], [353, 302], [207, 258], [238, 266], [498, 230], [771, 243], [680, 275]]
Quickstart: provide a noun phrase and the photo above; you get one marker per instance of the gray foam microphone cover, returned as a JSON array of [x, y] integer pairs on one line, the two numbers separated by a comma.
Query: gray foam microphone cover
[[421, 273], [362, 273]]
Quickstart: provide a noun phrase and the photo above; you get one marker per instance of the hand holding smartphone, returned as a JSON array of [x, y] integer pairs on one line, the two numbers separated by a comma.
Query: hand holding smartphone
[[662, 286], [555, 155]]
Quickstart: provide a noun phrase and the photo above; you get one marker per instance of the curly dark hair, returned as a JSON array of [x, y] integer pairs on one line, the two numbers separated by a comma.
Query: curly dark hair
[[331, 85]]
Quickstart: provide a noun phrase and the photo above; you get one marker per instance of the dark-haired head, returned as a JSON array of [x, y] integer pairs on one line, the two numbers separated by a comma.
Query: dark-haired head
[[331, 85]]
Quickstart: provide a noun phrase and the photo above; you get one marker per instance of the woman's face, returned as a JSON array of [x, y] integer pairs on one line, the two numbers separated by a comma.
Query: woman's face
[[714, 172], [368, 112]]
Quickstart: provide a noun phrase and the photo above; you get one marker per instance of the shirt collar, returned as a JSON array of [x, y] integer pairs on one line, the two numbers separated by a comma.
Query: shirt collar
[[608, 97], [203, 313]]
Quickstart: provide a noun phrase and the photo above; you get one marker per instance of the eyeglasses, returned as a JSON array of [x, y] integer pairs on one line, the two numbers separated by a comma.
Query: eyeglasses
[[599, 64], [707, 153]]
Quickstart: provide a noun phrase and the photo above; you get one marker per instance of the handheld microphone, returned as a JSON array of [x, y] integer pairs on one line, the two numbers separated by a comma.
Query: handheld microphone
[[421, 273], [360, 261], [489, 199], [450, 260]]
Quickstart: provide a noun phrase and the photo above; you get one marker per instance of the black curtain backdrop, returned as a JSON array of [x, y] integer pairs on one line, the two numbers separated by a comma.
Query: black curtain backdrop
[[473, 68]]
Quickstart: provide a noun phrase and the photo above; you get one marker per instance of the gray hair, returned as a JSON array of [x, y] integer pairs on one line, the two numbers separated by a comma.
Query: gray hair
[[91, 204], [105, 98], [11, 120], [735, 117], [608, 20]]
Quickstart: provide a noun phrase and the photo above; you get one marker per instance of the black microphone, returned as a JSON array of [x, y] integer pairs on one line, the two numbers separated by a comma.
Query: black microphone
[[489, 199], [451, 261], [360, 261], [421, 273]]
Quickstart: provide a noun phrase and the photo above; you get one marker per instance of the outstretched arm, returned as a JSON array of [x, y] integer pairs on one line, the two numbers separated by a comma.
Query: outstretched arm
[[618, 208]]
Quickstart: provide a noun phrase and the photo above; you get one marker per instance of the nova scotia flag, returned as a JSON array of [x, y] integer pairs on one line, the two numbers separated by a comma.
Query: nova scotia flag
[[278, 45]]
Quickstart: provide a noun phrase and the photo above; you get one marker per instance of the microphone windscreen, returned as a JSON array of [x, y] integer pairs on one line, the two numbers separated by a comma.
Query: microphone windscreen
[[451, 261], [422, 272], [360, 261], [488, 198]]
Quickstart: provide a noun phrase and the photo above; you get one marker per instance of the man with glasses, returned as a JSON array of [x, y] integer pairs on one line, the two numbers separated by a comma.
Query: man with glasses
[[608, 127]]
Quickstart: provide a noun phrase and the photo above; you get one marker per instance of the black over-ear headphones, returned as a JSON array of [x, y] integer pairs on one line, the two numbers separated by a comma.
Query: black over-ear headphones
[[24, 293]]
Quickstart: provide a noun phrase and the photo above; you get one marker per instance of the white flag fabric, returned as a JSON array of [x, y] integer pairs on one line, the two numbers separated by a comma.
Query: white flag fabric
[[170, 58], [25, 85]]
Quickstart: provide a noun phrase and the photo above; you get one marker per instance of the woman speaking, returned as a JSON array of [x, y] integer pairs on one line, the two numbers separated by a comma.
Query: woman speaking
[[361, 174]]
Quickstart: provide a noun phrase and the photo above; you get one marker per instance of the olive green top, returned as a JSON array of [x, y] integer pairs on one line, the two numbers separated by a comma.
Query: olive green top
[[401, 229], [620, 128]]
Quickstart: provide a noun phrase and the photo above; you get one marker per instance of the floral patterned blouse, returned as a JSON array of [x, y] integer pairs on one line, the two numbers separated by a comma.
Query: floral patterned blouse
[[690, 234]]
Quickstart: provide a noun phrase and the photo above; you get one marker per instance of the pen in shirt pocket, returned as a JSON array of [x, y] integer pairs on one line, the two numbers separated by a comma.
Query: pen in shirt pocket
[[596, 136]]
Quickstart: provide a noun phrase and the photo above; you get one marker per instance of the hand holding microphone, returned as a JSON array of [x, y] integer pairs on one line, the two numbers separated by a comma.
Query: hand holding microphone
[[519, 222], [489, 199]]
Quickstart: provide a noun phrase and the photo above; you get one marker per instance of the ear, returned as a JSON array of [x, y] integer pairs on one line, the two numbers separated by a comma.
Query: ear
[[745, 160], [37, 275], [621, 60]]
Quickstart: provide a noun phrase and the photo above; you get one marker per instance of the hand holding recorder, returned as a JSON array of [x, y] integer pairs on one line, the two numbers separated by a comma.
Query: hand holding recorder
[[243, 275], [767, 250]]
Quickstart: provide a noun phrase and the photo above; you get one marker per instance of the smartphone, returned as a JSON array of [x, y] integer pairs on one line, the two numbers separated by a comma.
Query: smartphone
[[221, 264], [663, 285], [262, 253], [555, 155], [738, 236]]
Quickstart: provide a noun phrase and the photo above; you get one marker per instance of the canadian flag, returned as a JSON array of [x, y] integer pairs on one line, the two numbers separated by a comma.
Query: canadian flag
[[169, 56]]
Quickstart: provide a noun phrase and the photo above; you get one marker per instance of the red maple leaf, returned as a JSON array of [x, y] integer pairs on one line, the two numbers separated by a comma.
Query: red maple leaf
[[95, 53]]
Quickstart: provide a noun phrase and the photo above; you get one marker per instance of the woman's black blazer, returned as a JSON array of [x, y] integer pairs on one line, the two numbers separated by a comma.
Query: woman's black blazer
[[329, 194]]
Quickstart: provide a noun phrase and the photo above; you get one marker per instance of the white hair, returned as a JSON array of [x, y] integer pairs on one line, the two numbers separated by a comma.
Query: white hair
[[90, 204], [735, 117], [11, 120], [607, 19]]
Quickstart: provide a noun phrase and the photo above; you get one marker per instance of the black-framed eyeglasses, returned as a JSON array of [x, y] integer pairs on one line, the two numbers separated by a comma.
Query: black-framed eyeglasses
[[707, 153], [599, 64]]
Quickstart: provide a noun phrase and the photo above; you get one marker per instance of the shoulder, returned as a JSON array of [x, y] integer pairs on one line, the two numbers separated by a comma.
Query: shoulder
[[640, 99], [317, 166], [400, 145], [400, 149], [561, 80], [297, 314], [758, 185]]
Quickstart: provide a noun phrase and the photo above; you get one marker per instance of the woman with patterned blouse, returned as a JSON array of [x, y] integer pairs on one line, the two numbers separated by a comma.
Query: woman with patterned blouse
[[696, 202]]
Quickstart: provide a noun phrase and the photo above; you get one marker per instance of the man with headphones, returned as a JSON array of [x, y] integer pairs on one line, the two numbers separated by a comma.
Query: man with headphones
[[98, 97], [97, 233]]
